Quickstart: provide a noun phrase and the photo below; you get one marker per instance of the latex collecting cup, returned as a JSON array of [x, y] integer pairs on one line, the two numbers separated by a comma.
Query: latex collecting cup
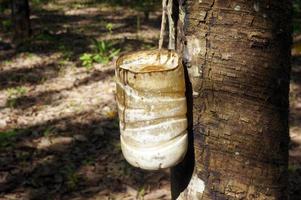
[[152, 108]]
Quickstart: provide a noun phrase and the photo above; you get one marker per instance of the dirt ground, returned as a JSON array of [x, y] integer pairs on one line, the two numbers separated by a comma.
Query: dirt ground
[[59, 129]]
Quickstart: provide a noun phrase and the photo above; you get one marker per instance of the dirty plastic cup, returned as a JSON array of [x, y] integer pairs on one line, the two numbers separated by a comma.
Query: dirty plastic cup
[[152, 108]]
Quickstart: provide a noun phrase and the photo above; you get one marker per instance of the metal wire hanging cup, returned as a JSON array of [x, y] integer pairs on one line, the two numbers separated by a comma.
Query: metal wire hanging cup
[[152, 108]]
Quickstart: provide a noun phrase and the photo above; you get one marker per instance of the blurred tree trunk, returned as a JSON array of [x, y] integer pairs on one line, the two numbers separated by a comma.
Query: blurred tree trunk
[[146, 16], [20, 19], [238, 58]]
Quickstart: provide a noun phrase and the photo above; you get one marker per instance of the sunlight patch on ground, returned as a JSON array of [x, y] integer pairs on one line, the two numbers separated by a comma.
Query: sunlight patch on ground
[[27, 61], [88, 97], [84, 11], [295, 135]]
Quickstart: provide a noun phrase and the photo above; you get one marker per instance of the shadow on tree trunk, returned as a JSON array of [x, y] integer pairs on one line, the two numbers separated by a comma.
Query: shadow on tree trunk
[[182, 173]]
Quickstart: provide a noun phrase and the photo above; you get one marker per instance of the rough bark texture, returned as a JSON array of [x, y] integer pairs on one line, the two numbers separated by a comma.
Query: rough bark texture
[[238, 57], [20, 18]]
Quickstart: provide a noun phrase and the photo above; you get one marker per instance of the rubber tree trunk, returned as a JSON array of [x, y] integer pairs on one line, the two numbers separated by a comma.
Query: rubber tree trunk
[[20, 19], [238, 58]]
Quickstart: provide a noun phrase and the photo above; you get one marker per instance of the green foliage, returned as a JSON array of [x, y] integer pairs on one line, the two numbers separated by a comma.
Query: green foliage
[[45, 37], [297, 6], [297, 16], [18, 91], [72, 179], [39, 1], [13, 94], [48, 131], [109, 27], [292, 168], [6, 24], [87, 59], [140, 193], [78, 5], [149, 5], [6, 137], [104, 52]]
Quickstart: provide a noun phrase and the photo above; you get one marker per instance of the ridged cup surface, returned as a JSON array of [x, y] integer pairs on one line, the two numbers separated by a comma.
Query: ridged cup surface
[[152, 108]]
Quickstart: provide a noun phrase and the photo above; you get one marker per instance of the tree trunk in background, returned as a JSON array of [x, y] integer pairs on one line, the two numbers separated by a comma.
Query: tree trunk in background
[[20, 19], [238, 57]]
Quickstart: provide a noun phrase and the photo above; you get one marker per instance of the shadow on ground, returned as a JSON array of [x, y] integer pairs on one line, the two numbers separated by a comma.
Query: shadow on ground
[[77, 156], [24, 76], [72, 34], [50, 97], [82, 158]]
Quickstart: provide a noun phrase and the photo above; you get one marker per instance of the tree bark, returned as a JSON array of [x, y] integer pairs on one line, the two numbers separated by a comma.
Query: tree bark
[[20, 19], [238, 58]]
